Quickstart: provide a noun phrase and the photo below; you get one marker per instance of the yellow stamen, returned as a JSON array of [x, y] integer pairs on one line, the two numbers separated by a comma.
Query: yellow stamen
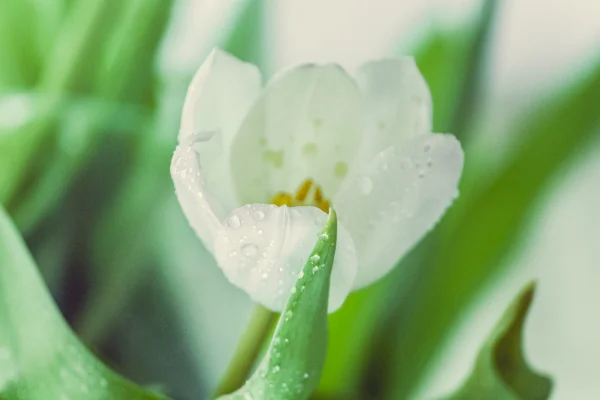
[[281, 199], [324, 205], [318, 195], [303, 190], [301, 196]]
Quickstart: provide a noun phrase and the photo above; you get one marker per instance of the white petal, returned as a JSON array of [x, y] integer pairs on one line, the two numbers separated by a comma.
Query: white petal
[[202, 210], [398, 198], [262, 248], [218, 99], [306, 124], [397, 103]]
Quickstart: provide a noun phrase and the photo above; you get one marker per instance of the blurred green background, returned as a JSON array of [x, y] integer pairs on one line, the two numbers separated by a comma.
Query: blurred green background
[[90, 99]]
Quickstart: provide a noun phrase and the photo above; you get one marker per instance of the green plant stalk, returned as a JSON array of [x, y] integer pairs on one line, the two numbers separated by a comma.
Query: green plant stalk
[[123, 258], [247, 351]]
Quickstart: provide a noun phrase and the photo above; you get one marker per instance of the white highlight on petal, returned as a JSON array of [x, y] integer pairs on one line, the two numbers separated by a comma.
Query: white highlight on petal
[[203, 211], [218, 99], [262, 249], [396, 103], [398, 198], [306, 124]]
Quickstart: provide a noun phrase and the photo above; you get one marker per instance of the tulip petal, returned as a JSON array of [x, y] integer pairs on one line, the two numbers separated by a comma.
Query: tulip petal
[[202, 209], [262, 248], [396, 102], [397, 199], [306, 124], [219, 97]]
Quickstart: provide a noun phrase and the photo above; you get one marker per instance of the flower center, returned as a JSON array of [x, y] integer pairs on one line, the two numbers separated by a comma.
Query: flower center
[[308, 194]]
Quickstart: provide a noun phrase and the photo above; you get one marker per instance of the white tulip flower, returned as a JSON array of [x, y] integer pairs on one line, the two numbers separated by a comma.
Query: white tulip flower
[[257, 167]]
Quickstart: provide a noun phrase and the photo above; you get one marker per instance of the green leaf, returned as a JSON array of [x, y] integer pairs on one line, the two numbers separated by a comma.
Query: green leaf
[[294, 361], [501, 372], [40, 357], [485, 225]]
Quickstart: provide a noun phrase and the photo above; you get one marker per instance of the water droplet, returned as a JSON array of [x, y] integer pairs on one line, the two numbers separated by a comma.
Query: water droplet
[[232, 253], [300, 274], [302, 288], [421, 173], [293, 290], [234, 222], [323, 236], [265, 275], [276, 369], [306, 376], [260, 231], [315, 269], [249, 250], [366, 185], [315, 258], [259, 215]]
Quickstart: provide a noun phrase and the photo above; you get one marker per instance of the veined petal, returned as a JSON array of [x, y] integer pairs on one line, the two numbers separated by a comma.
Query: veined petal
[[396, 101], [202, 209], [398, 198], [306, 124], [217, 100], [262, 248]]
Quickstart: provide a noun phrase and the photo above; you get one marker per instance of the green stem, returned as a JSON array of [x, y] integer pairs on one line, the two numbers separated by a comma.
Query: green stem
[[247, 351]]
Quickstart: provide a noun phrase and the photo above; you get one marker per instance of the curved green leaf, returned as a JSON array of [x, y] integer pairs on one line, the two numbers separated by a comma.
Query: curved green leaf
[[40, 357], [501, 372], [294, 361]]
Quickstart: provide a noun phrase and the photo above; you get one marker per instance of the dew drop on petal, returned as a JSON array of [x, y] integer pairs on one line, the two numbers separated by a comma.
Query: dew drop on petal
[[249, 250], [234, 222], [259, 215]]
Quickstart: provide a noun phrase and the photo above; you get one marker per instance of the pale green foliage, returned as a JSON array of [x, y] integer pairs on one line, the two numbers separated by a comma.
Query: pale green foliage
[[501, 372], [40, 357]]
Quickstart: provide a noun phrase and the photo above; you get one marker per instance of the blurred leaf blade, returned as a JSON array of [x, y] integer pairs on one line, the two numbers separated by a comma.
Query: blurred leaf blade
[[481, 230], [125, 81], [501, 371], [40, 357], [452, 64], [292, 366], [60, 74]]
